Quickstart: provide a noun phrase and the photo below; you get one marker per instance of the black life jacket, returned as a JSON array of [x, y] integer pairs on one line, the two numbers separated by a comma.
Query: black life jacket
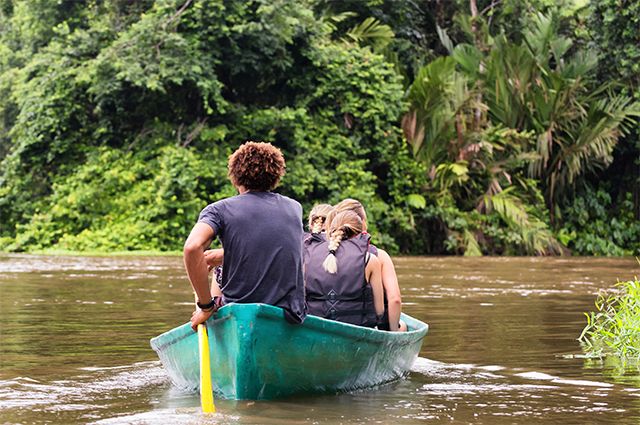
[[345, 296]]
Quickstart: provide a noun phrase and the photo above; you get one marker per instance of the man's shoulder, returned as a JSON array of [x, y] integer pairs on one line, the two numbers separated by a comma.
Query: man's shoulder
[[295, 206], [289, 200], [244, 201], [218, 204]]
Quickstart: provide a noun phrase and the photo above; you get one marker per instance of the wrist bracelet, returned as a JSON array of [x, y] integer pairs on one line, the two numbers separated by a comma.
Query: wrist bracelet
[[208, 305]]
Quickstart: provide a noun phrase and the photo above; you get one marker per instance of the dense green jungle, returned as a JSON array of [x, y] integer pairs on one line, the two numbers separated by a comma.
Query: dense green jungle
[[472, 127]]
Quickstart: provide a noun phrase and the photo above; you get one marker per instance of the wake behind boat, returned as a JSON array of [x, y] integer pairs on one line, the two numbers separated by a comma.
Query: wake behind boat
[[256, 354]]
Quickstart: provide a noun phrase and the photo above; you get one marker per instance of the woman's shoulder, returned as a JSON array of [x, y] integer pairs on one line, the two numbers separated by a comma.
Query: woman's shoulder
[[372, 262], [310, 238], [372, 249]]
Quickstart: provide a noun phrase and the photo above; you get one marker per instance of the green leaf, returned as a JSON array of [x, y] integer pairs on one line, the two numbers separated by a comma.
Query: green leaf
[[416, 201]]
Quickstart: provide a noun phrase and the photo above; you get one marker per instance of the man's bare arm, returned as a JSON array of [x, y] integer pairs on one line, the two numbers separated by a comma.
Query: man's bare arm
[[194, 260]]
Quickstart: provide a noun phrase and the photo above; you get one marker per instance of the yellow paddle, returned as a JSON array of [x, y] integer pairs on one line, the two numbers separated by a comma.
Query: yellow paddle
[[206, 391]]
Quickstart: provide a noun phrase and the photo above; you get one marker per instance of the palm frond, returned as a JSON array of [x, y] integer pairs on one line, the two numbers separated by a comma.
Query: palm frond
[[536, 236], [371, 32], [472, 248], [440, 97], [449, 174], [508, 206], [444, 39]]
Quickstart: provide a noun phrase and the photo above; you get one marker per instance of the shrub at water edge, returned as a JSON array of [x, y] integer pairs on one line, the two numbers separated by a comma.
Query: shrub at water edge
[[614, 328]]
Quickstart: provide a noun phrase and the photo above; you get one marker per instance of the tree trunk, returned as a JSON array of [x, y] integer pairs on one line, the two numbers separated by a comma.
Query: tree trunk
[[476, 38], [473, 5], [636, 191]]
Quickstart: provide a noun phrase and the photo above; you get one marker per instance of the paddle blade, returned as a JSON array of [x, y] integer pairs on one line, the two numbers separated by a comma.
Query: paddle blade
[[206, 390]]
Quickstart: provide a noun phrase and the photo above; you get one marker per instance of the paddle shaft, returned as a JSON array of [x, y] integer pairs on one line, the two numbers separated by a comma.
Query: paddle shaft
[[206, 390]]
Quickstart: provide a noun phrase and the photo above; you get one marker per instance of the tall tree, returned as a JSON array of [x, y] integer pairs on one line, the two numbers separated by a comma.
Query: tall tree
[[613, 25], [535, 87]]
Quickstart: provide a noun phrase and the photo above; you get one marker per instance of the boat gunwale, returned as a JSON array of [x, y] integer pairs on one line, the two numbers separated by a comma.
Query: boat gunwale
[[312, 323], [317, 323], [158, 347]]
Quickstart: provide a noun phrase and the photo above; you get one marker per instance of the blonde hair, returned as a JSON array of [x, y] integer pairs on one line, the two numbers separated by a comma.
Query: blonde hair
[[318, 217], [349, 205], [344, 225]]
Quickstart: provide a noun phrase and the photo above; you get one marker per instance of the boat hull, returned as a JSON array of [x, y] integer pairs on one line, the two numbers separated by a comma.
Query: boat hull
[[257, 354]]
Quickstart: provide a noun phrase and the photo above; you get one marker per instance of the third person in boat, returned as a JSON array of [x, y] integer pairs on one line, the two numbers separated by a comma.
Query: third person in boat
[[343, 279], [390, 320]]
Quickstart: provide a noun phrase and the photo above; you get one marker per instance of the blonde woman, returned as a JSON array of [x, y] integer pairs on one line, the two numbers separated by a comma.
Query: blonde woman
[[392, 299], [318, 217], [342, 279]]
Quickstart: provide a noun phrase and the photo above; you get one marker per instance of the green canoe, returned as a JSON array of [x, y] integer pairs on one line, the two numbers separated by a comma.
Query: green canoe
[[256, 354]]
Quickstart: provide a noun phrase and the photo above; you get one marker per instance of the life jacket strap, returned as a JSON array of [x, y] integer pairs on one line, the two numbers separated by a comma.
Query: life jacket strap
[[332, 313], [333, 297]]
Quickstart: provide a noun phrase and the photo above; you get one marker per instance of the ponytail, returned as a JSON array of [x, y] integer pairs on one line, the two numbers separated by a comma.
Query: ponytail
[[330, 263], [318, 217], [317, 225], [342, 226]]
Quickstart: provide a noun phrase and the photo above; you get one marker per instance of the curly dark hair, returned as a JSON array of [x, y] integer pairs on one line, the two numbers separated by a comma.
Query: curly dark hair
[[256, 166]]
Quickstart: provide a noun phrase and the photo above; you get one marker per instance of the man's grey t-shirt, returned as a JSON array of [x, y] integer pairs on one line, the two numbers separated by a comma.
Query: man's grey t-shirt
[[261, 233]]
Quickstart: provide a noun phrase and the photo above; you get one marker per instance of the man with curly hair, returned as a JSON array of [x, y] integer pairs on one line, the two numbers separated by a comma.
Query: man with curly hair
[[261, 233]]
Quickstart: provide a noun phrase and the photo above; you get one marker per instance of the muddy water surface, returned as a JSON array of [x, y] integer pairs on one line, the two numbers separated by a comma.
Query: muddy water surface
[[502, 347]]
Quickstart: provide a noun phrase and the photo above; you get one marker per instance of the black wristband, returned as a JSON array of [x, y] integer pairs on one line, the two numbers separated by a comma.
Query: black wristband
[[208, 305]]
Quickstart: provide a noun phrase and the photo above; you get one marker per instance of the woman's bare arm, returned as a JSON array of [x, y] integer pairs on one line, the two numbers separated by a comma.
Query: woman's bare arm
[[214, 257], [391, 288]]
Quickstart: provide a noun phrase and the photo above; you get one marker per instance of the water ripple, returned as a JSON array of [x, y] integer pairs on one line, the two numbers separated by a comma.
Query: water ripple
[[73, 394]]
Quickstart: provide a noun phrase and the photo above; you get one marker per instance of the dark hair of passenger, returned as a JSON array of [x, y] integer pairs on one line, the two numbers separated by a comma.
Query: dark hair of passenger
[[256, 166]]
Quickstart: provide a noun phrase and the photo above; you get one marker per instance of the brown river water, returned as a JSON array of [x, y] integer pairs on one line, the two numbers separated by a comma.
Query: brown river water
[[502, 348]]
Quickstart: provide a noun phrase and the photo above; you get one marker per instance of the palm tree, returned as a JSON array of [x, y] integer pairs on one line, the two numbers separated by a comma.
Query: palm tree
[[536, 86], [567, 124], [470, 160]]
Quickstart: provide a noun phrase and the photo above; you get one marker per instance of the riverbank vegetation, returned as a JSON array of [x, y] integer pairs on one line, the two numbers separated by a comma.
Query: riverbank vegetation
[[466, 127], [614, 328]]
